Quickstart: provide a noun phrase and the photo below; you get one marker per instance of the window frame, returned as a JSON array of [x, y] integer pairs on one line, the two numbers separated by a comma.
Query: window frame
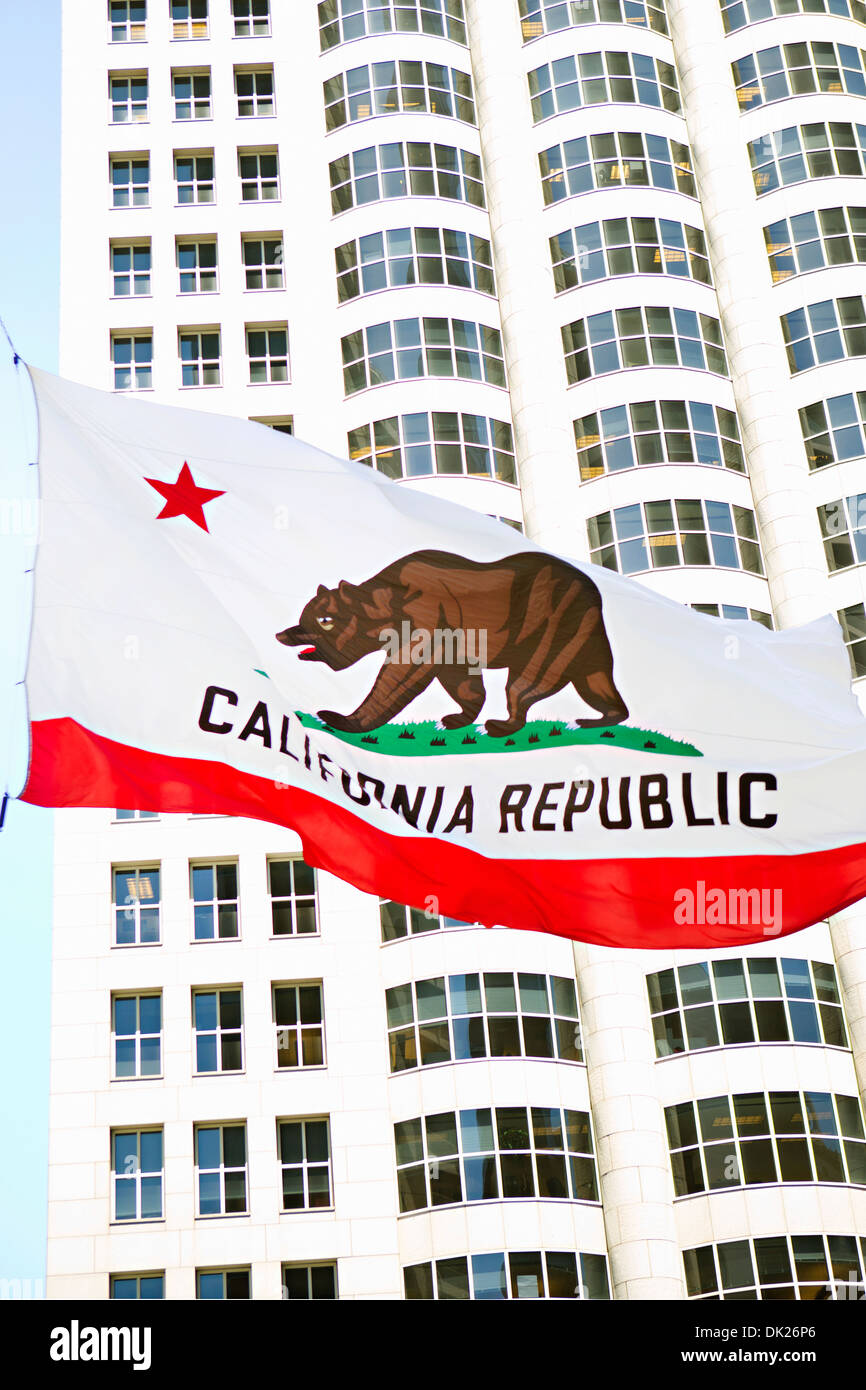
[[183, 245], [191, 22], [133, 904], [300, 1029], [137, 108], [138, 1277], [196, 184], [200, 363], [139, 1174], [128, 25], [270, 360], [263, 240], [256, 99], [214, 902], [200, 107], [250, 19], [223, 1170], [220, 1033], [305, 1164], [139, 1036], [259, 181], [131, 245]]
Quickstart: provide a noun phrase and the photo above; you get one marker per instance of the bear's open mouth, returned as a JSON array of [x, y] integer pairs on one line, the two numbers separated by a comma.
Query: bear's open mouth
[[307, 652]]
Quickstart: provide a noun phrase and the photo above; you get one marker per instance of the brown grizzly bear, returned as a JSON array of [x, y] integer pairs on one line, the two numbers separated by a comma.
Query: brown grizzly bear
[[538, 616]]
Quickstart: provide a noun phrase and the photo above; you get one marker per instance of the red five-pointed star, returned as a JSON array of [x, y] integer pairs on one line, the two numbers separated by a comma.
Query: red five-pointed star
[[183, 498]]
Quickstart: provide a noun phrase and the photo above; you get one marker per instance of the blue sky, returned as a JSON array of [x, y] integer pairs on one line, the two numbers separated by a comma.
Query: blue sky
[[29, 274]]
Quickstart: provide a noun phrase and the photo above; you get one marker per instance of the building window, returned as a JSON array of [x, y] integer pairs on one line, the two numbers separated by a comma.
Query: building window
[[252, 18], [793, 69], [406, 170], [659, 535], [650, 432], [309, 1281], [200, 358], [501, 1274], [260, 176], [130, 181], [282, 424], [254, 89], [136, 906], [843, 526], [197, 268], [136, 815], [136, 1174], [410, 348], [263, 263], [222, 1283], [268, 353], [132, 359], [628, 246], [539, 17], [292, 888], [130, 269], [305, 1159], [734, 612], [341, 21], [381, 89], [221, 1169], [819, 151], [825, 332], [753, 1138], [189, 19], [191, 95], [810, 1268], [398, 922], [413, 256], [493, 1155], [215, 901], [193, 175], [136, 1035], [128, 96], [738, 13], [442, 441], [127, 20], [615, 159], [462, 1017], [593, 78], [617, 340], [300, 1025], [833, 429], [727, 1002], [218, 1026], [853, 623], [138, 1286], [813, 240]]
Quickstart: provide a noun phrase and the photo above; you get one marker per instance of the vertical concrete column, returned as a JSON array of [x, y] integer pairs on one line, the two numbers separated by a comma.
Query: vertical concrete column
[[631, 1142], [848, 932], [790, 537], [544, 435]]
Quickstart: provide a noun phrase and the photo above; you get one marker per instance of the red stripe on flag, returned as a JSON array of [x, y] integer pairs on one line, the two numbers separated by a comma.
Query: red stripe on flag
[[610, 902]]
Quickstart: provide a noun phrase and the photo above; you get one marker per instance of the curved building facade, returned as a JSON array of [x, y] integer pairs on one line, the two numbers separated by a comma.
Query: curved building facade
[[590, 268]]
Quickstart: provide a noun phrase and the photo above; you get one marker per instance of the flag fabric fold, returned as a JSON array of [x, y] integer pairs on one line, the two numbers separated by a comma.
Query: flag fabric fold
[[229, 621]]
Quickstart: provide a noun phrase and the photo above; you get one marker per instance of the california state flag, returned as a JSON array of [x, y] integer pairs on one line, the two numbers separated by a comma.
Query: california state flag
[[227, 620]]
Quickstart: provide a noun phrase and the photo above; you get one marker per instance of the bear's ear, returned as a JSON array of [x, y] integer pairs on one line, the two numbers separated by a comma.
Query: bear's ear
[[382, 606], [321, 592], [346, 591]]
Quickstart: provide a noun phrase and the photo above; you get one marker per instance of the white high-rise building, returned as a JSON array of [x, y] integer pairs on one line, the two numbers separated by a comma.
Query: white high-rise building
[[593, 268]]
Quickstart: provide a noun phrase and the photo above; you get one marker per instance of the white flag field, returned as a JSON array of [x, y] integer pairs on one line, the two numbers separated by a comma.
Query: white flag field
[[229, 621]]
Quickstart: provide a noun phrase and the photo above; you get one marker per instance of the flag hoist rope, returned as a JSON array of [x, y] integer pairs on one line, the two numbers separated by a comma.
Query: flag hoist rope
[[17, 361]]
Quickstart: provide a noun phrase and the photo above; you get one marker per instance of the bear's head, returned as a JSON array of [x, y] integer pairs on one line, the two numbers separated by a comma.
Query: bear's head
[[341, 625]]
